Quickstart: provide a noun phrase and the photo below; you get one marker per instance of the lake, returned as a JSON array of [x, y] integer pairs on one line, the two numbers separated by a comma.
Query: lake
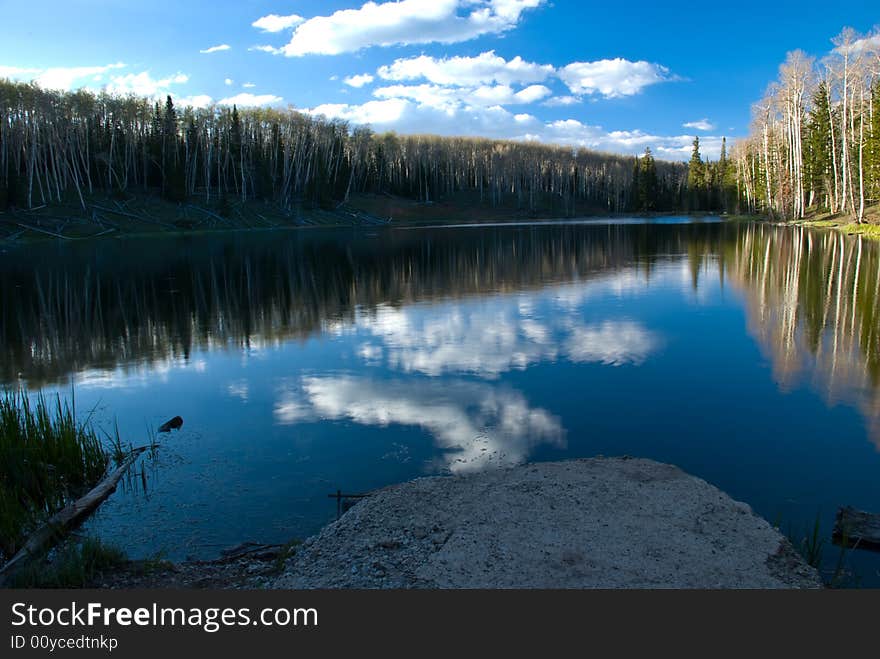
[[308, 361]]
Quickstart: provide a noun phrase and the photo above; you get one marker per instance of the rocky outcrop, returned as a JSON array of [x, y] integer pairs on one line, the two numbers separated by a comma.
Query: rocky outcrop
[[598, 523]]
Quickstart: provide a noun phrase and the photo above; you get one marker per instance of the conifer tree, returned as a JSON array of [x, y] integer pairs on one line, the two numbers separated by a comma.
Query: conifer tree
[[696, 178], [647, 182]]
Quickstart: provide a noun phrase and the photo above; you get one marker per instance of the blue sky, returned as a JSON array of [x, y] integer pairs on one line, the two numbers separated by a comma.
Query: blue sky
[[610, 76]]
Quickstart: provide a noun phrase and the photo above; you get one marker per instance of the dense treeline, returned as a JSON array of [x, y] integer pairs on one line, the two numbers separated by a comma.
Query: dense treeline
[[64, 146], [815, 139]]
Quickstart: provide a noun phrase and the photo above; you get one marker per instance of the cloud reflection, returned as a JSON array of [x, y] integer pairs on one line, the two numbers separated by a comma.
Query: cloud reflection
[[489, 338], [477, 426]]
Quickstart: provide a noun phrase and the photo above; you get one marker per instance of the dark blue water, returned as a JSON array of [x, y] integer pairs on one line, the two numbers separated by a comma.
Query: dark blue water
[[303, 362]]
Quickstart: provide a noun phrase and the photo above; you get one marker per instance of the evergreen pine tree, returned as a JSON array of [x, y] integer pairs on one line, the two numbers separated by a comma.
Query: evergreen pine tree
[[634, 189], [696, 178], [647, 182], [817, 150]]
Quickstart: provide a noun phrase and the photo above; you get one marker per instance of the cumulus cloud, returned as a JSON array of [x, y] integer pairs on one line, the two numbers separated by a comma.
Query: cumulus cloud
[[246, 99], [272, 50], [453, 98], [485, 68], [143, 84], [612, 78], [198, 101], [443, 112], [61, 77], [216, 49], [405, 22], [562, 101], [358, 81], [700, 124], [276, 23]]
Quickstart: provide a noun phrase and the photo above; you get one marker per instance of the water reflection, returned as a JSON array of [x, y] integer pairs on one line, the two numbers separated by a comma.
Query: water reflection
[[111, 305], [308, 361], [480, 302], [475, 425], [813, 303], [489, 339]]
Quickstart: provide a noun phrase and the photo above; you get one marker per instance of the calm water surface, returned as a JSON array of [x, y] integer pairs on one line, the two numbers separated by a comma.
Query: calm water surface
[[307, 361]]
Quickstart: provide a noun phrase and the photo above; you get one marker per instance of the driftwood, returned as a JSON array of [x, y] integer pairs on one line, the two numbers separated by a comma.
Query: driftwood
[[210, 213], [255, 550], [40, 230], [69, 516], [134, 216], [856, 528]]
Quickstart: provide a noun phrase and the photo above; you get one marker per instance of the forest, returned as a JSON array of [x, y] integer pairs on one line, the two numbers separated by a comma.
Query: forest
[[814, 143], [813, 147], [63, 147]]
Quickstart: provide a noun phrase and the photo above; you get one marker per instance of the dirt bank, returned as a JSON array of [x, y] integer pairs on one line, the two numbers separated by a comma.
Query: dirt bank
[[599, 523]]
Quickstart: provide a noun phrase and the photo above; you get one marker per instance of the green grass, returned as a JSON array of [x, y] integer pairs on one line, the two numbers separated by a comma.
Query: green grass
[[811, 546], [75, 564], [868, 230], [47, 460]]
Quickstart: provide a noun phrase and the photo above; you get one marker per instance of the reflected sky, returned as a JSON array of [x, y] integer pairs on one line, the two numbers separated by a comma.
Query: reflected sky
[[307, 362]]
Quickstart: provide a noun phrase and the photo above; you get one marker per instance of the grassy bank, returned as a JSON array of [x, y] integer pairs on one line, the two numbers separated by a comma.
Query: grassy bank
[[47, 460], [870, 228], [76, 563]]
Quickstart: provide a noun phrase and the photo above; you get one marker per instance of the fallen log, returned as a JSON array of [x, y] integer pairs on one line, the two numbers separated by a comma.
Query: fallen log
[[68, 517], [857, 528], [134, 216], [41, 230], [210, 213]]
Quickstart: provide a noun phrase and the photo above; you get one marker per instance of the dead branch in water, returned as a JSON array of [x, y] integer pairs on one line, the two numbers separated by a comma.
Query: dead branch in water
[[68, 517]]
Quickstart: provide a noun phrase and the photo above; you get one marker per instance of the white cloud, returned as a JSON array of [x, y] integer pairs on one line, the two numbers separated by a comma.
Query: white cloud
[[276, 23], [866, 44], [143, 84], [198, 101], [18, 72], [248, 85], [441, 111], [377, 113], [612, 78], [60, 77], [562, 101], [246, 99], [272, 50], [405, 22], [216, 49], [228, 82], [700, 124], [485, 68], [452, 98], [358, 81]]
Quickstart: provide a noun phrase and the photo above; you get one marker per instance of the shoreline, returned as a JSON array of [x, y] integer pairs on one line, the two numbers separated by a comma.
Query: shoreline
[[145, 216], [588, 523]]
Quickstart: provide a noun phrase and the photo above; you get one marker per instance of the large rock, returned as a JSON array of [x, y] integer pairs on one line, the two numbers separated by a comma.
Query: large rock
[[600, 523]]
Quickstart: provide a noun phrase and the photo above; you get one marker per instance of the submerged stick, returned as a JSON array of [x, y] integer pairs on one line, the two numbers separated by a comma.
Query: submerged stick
[[69, 516]]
